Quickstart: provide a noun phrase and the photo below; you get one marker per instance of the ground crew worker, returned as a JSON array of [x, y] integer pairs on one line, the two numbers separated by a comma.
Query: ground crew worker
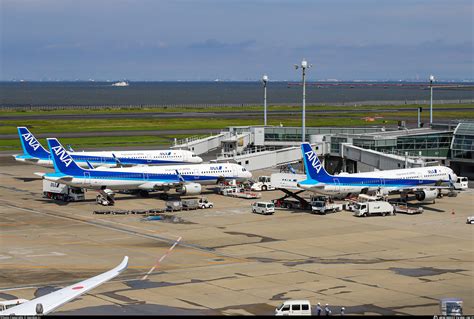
[[342, 311], [318, 309], [327, 311]]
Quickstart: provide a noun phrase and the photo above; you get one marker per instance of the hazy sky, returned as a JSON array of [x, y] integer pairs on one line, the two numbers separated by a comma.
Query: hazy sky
[[235, 39]]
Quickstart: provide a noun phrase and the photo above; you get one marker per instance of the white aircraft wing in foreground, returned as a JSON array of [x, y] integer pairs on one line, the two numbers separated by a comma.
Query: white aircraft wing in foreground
[[47, 303]]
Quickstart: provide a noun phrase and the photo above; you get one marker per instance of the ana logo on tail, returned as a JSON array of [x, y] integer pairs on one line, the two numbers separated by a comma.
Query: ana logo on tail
[[311, 156], [32, 141], [63, 155]]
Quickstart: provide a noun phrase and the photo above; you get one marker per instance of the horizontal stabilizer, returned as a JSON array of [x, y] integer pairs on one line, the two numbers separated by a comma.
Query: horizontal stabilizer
[[40, 174], [63, 178]]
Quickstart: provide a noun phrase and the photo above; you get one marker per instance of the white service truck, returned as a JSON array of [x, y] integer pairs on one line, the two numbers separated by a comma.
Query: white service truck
[[323, 206], [264, 184], [373, 208], [62, 192]]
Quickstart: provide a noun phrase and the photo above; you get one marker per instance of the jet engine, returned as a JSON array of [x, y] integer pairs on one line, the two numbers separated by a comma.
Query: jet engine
[[427, 195], [190, 189]]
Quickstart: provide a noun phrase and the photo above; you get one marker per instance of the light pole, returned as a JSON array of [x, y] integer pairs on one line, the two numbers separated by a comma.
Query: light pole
[[420, 109], [264, 81], [304, 66], [432, 78]]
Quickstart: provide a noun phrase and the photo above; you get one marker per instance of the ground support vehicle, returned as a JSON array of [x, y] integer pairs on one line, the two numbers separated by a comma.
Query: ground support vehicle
[[373, 208], [324, 206], [62, 192], [264, 208], [205, 203], [263, 184]]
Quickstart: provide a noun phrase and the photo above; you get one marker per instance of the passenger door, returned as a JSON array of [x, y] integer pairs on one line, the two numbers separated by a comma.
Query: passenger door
[[87, 178]]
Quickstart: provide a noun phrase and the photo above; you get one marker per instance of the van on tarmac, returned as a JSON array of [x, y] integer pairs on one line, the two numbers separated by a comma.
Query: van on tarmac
[[265, 208], [294, 308]]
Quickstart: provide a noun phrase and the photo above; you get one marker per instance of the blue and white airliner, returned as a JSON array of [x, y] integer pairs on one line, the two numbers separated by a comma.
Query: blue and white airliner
[[35, 153], [186, 179], [424, 182]]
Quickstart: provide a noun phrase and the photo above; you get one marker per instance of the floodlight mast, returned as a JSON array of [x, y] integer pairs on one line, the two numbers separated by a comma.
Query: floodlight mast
[[304, 66], [432, 79], [264, 81]]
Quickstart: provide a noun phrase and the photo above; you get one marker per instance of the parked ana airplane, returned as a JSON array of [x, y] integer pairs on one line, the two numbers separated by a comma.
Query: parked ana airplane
[[34, 152], [47, 303], [423, 181], [186, 179]]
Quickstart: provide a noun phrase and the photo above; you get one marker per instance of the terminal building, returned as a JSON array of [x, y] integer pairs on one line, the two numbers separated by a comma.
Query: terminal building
[[342, 149]]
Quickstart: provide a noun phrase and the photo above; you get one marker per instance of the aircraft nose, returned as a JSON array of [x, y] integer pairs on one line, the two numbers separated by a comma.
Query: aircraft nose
[[197, 159]]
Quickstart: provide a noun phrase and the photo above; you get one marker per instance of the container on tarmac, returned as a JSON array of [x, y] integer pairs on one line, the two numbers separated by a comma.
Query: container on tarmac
[[62, 192]]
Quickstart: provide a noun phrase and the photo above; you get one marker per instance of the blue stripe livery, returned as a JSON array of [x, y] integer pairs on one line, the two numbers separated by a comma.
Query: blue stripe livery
[[316, 174]]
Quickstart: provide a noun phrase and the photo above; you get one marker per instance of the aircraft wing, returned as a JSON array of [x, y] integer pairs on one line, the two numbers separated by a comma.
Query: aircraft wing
[[59, 297], [417, 188]]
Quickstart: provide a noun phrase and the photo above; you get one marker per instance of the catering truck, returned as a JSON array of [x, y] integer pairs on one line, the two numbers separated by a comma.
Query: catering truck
[[62, 192]]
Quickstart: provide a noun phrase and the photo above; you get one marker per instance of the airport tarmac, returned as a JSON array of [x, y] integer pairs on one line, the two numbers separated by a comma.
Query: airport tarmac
[[230, 261]]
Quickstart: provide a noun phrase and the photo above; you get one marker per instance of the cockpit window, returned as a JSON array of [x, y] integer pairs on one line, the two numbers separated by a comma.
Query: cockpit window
[[244, 170]]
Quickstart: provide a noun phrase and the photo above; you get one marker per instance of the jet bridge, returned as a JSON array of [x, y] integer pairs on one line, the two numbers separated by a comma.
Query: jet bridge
[[378, 160], [202, 145]]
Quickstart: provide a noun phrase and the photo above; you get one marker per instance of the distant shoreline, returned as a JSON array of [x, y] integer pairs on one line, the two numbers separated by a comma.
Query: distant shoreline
[[20, 108]]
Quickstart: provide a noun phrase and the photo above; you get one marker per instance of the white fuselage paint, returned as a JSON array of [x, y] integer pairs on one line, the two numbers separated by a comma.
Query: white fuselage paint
[[204, 174], [339, 188]]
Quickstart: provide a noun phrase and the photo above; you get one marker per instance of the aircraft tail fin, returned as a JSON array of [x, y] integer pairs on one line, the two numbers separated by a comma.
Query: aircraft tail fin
[[63, 162], [31, 145], [314, 168]]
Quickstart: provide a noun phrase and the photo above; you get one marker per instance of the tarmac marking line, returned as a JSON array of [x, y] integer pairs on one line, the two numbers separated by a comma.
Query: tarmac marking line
[[162, 258]]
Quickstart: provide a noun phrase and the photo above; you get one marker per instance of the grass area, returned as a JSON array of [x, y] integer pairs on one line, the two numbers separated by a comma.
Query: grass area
[[80, 143], [154, 124], [219, 109]]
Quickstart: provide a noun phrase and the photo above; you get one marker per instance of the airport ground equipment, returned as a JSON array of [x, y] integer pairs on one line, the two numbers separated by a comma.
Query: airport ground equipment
[[404, 208], [294, 308], [451, 306], [205, 203], [106, 197], [324, 205], [470, 220], [461, 183], [190, 204], [372, 205], [264, 184], [264, 208], [62, 192], [174, 205], [240, 192]]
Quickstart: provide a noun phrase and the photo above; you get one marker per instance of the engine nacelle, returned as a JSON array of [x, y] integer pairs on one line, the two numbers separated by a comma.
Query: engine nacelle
[[427, 195], [190, 189]]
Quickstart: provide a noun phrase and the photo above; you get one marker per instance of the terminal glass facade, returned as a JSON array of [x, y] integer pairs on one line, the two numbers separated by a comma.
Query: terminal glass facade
[[463, 142], [428, 145]]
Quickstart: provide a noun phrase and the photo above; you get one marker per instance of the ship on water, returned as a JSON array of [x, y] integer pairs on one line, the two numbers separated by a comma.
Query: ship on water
[[121, 83]]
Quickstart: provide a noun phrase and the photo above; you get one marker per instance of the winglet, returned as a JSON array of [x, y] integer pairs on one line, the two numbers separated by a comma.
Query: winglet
[[56, 299], [181, 178], [89, 164], [117, 161]]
